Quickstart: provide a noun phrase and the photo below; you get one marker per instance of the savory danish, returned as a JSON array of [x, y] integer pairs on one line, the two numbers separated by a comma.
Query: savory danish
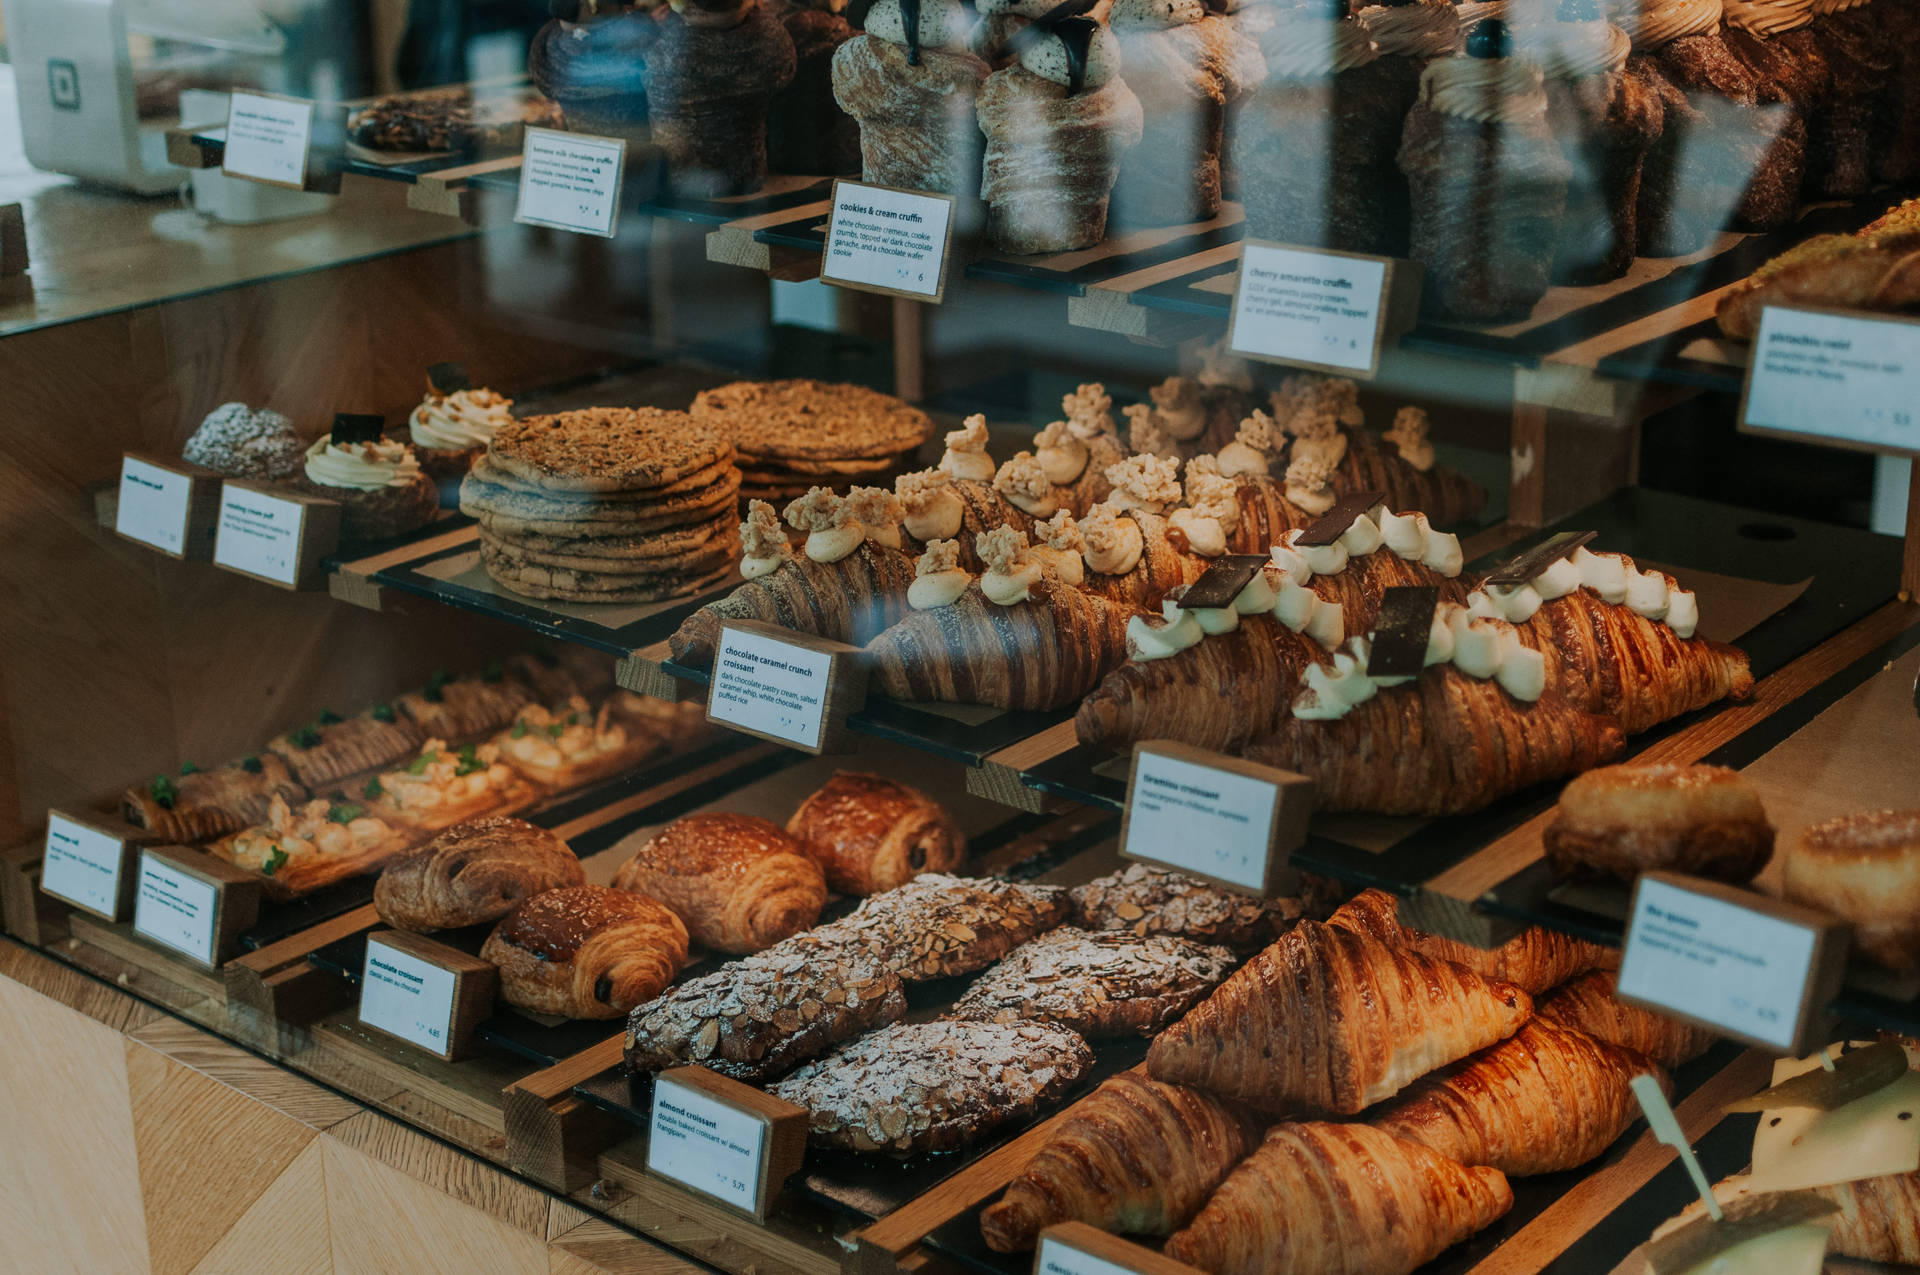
[[870, 834], [739, 882], [570, 745], [463, 707], [1145, 900], [586, 951], [1864, 869], [302, 850], [1619, 821], [331, 748], [761, 1016], [197, 804], [933, 1086], [474, 873], [1112, 984], [443, 786], [937, 926]]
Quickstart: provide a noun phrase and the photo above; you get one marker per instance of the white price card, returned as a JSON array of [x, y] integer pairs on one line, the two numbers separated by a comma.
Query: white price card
[[770, 687], [175, 909], [407, 997], [885, 240], [267, 139], [82, 865], [1057, 1257], [1310, 308], [1075, 1248], [1213, 816], [1760, 969], [706, 1144], [570, 181], [154, 505], [258, 534], [1851, 380]]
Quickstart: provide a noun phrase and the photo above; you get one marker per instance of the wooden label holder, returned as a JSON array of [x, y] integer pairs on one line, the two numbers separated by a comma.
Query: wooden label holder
[[13, 241], [234, 908], [1265, 817], [779, 1142], [128, 841], [1739, 983], [1064, 1248], [316, 536], [1396, 309], [199, 513], [764, 665], [471, 1003]]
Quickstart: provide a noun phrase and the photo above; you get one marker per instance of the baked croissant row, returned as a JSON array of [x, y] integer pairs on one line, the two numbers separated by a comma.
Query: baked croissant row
[[1266, 515], [1339, 1199], [1533, 960], [1043, 653], [1879, 1219], [848, 601], [1328, 1020], [1441, 744], [1588, 1005], [1548, 1099], [1137, 1156], [1445, 494]]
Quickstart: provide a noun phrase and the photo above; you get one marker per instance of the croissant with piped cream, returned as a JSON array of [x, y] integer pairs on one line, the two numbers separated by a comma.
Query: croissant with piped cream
[[1533, 960]]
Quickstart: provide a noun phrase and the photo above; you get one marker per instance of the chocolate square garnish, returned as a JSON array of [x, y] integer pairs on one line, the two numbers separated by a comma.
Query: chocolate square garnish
[[1221, 583], [1525, 567], [1333, 524], [1400, 637]]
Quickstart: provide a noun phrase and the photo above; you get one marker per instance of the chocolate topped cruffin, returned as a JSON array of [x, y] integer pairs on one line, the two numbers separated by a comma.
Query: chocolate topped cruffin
[[795, 435], [606, 504]]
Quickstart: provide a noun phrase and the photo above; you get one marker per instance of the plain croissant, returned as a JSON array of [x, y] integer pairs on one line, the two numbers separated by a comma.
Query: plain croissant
[[1879, 1219], [1533, 960], [848, 601], [1339, 1199], [1136, 1156], [1043, 653], [1548, 1099], [1588, 1004], [1327, 1020], [1444, 743]]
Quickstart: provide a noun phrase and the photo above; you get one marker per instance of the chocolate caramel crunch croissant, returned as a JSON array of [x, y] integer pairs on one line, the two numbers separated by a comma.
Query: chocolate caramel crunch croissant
[[1339, 1199], [849, 601], [1327, 1020], [1137, 1156]]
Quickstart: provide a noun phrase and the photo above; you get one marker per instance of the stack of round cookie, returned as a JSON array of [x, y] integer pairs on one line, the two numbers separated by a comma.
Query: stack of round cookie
[[793, 436], [607, 504]]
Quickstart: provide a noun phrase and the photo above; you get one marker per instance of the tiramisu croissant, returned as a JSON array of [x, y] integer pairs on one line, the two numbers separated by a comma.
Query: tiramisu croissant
[[911, 84], [1339, 1199], [840, 584], [1136, 1156], [739, 882], [712, 71], [1326, 1020], [1551, 1098], [1587, 1004], [1533, 960]]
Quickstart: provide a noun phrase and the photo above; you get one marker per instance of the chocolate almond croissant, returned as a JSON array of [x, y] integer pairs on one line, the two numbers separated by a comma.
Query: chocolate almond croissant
[[848, 600], [1339, 1199], [1137, 1156], [1533, 960], [1326, 1020], [1548, 1099]]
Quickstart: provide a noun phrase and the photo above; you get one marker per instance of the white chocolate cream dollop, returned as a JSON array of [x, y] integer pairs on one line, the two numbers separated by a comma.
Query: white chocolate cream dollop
[[764, 548], [1062, 456], [1144, 484], [457, 421], [966, 455], [1413, 538], [1409, 436], [1310, 484], [1012, 571], [1653, 595], [933, 509], [1114, 540], [1426, 29], [1047, 58], [832, 530], [938, 579], [879, 511], [1484, 90], [943, 23], [361, 466], [1174, 632], [1023, 481], [1254, 445], [1060, 547], [1178, 409], [1478, 646]]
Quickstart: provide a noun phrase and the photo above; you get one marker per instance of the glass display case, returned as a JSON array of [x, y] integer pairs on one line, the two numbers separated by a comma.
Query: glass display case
[[868, 638]]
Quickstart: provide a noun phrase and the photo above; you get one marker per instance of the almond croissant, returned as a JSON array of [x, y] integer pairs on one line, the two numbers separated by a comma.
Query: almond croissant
[[1533, 960], [849, 601], [1043, 653], [1326, 1020], [1588, 1005], [1136, 1156], [1442, 744], [1339, 1199], [1548, 1099]]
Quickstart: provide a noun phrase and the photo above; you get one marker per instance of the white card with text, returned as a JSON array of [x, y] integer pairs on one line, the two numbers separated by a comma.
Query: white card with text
[[1849, 379], [1294, 305], [407, 997], [1057, 1257], [1718, 962], [259, 534], [773, 687], [81, 865], [703, 1143], [894, 240], [154, 504], [267, 139], [570, 181], [1199, 819], [175, 909]]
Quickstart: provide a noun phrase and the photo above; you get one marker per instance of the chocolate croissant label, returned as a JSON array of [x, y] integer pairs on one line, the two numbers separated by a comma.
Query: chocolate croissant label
[[1528, 566], [1400, 637], [1333, 524]]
